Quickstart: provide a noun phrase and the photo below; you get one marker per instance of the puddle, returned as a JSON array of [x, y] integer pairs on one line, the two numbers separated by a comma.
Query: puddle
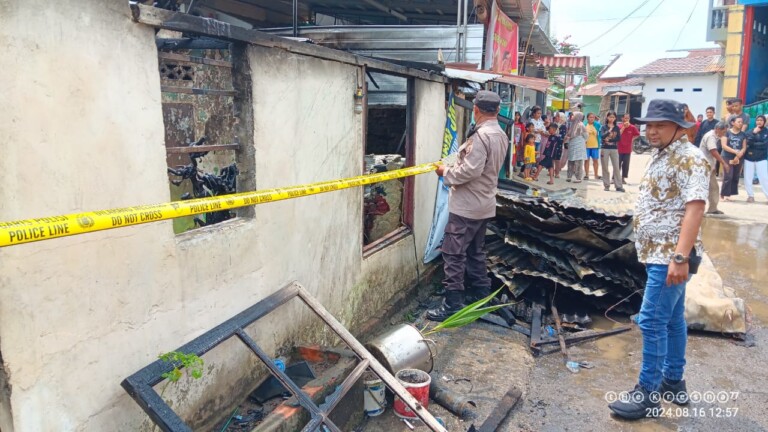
[[739, 252]]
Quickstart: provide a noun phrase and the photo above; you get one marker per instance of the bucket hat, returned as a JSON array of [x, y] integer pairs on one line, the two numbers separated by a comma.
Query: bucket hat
[[666, 110]]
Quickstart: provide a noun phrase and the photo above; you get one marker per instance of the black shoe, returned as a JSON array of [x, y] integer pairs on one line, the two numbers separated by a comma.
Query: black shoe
[[715, 212], [620, 190], [440, 291], [754, 182], [675, 393], [440, 313], [607, 189], [472, 295], [637, 404]]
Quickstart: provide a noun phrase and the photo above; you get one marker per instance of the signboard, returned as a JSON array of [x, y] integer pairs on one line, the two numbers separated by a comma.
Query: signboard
[[440, 218], [502, 43]]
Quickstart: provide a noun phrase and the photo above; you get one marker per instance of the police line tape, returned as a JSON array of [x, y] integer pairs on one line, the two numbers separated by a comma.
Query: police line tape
[[32, 230]]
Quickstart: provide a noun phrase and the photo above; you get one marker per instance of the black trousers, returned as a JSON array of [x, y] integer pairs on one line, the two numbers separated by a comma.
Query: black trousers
[[624, 164], [731, 180], [463, 252]]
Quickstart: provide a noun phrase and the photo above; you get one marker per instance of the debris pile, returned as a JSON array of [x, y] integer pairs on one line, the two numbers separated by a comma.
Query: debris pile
[[206, 184], [586, 254]]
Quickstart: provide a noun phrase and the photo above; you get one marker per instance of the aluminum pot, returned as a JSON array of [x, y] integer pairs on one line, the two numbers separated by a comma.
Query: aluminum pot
[[403, 347]]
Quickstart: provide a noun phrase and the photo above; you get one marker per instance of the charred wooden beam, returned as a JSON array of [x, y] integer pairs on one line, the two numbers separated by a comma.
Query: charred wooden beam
[[497, 416], [176, 21], [585, 335], [191, 59], [190, 43], [197, 91], [198, 149]]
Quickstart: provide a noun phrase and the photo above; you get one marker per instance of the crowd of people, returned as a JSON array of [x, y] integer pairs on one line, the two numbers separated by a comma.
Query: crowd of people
[[670, 207], [577, 142]]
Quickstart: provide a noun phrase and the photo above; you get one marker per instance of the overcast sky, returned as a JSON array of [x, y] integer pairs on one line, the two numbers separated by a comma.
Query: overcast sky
[[645, 33]]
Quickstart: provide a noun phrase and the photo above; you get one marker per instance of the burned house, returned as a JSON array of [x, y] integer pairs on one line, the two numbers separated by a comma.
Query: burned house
[[100, 100]]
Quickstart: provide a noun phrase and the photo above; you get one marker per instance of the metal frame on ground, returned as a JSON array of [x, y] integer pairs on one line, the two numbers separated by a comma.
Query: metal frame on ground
[[141, 384]]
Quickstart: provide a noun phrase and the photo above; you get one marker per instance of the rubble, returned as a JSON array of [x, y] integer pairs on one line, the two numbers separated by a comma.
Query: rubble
[[586, 255], [548, 243]]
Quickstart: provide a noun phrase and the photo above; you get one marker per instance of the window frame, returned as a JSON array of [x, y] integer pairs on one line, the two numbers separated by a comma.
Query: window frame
[[408, 205]]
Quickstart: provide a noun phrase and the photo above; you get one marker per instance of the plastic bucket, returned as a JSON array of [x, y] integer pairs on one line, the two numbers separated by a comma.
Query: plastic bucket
[[402, 347], [417, 383], [373, 395]]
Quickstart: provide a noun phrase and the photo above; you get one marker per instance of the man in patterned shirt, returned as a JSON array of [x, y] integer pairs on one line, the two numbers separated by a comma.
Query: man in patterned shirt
[[668, 216]]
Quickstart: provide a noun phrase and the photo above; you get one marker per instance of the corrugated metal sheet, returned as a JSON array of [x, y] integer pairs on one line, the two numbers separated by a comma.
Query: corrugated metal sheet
[[565, 63], [468, 75], [541, 243], [409, 43], [413, 43], [536, 84], [387, 90]]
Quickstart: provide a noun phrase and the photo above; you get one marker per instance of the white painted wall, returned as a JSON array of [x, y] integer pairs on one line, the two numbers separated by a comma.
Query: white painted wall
[[698, 102], [81, 129]]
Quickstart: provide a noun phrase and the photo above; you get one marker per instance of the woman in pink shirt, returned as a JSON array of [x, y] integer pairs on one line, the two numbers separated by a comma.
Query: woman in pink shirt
[[628, 134]]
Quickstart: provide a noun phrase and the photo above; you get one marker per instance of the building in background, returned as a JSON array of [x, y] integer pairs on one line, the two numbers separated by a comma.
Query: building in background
[[614, 91], [741, 28], [695, 78]]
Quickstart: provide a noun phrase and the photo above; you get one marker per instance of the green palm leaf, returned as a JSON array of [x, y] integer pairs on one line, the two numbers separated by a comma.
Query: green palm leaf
[[469, 314]]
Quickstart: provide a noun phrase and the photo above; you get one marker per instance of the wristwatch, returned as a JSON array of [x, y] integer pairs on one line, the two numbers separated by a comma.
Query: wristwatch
[[679, 258]]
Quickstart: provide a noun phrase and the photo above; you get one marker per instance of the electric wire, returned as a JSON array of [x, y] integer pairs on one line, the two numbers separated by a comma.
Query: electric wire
[[635, 29], [615, 25], [695, 3]]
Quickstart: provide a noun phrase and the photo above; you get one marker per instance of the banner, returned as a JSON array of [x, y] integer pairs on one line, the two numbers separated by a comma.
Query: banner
[[502, 43], [440, 219]]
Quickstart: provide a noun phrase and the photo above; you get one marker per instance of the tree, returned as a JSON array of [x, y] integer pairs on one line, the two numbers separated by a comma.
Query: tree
[[565, 47], [594, 71]]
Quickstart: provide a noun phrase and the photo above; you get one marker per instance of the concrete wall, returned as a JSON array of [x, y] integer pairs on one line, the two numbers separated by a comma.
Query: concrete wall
[[698, 102], [591, 104], [81, 130]]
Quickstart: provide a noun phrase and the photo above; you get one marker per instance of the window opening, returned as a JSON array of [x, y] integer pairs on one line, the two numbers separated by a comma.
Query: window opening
[[660, 90], [697, 89], [201, 133], [387, 147], [678, 90]]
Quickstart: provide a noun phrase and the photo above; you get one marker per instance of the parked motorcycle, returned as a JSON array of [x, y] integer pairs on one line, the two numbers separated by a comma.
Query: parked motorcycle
[[640, 145]]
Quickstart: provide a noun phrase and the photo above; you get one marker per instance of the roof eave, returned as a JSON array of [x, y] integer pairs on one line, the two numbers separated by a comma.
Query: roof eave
[[670, 75]]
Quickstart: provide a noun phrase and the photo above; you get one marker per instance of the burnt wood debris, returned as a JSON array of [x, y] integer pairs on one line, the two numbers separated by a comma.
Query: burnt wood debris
[[206, 184]]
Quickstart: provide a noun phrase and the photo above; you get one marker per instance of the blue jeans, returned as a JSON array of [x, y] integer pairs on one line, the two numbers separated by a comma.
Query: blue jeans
[[665, 334]]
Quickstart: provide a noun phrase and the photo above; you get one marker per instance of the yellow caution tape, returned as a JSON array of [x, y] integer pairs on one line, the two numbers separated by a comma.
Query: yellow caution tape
[[32, 230]]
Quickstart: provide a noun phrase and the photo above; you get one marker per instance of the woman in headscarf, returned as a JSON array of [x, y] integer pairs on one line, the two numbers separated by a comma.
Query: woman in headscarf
[[577, 147]]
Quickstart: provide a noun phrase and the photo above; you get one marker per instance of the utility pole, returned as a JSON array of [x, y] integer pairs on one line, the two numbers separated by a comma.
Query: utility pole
[[462, 10]]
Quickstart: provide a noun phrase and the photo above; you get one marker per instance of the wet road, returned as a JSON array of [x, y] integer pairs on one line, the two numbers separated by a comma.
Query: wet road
[[555, 399], [561, 401]]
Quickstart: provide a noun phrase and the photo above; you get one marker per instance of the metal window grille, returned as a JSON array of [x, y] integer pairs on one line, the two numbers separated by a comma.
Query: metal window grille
[[140, 385]]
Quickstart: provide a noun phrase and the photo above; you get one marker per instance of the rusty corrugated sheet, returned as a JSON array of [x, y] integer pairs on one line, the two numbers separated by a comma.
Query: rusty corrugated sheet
[[542, 243]]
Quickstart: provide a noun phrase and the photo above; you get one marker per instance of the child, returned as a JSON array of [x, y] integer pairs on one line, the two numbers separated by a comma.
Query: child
[[551, 153], [529, 155], [529, 128]]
